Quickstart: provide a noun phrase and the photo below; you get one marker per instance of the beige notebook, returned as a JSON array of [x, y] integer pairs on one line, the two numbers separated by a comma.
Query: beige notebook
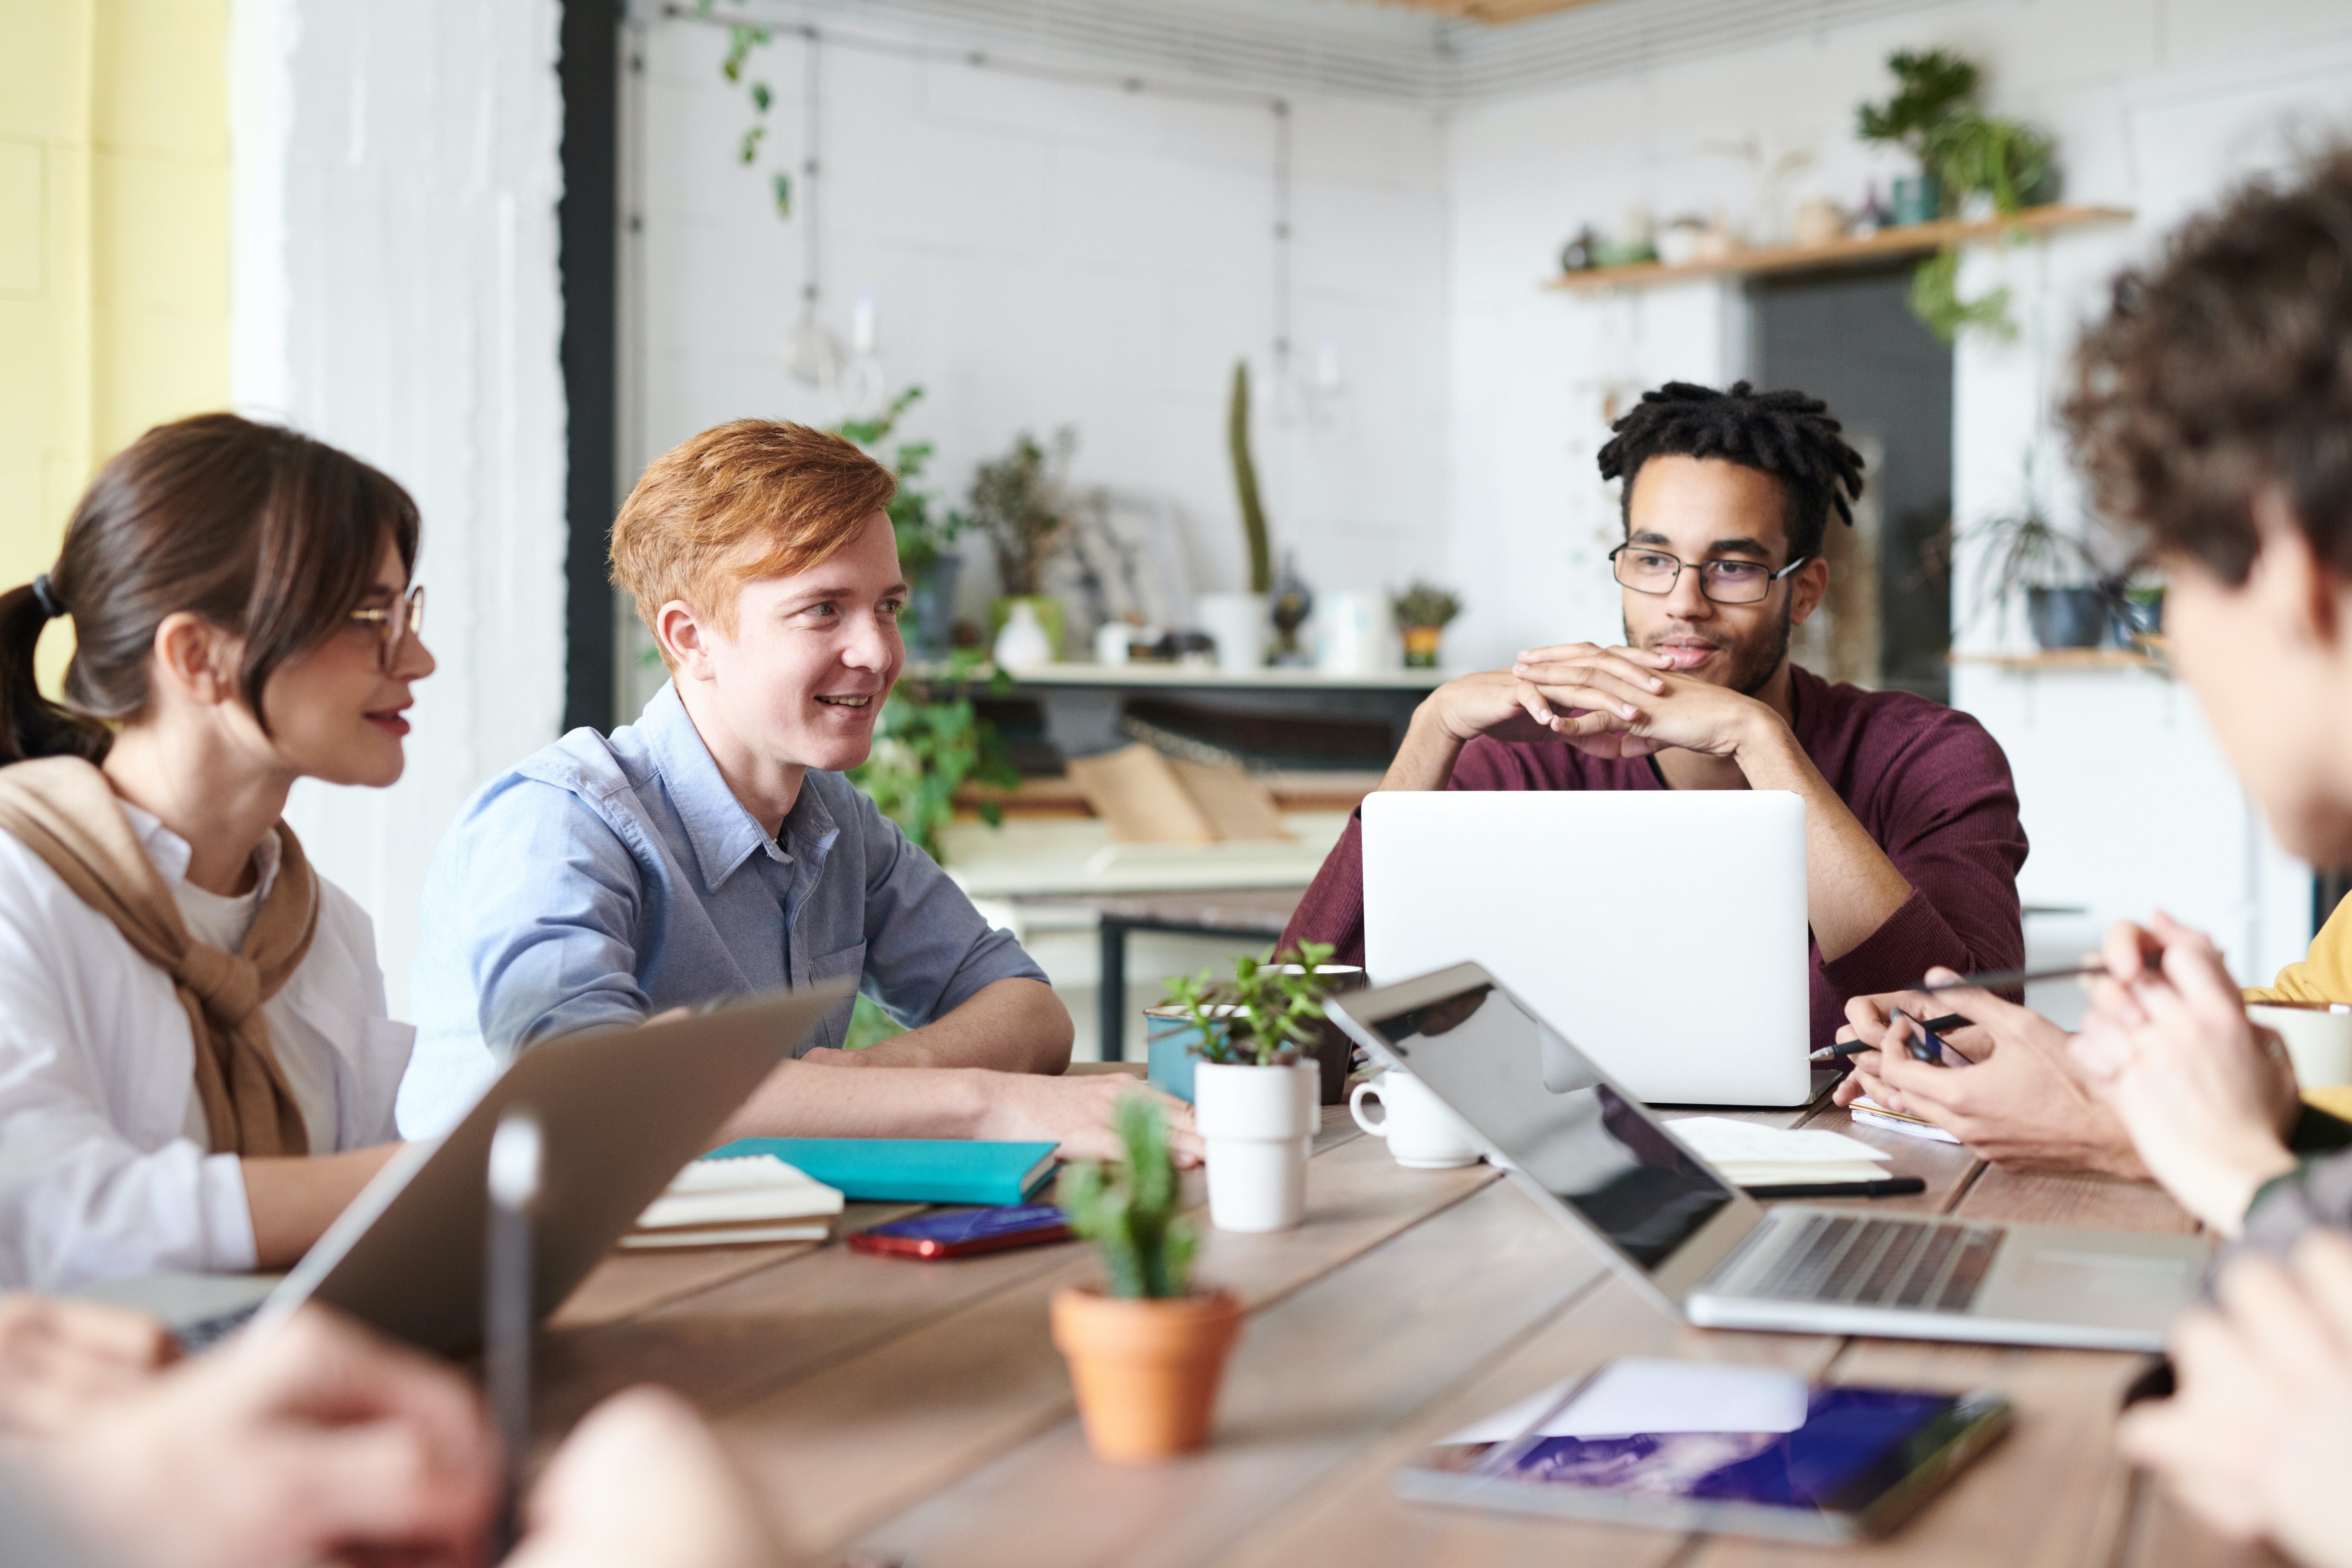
[[1149, 798]]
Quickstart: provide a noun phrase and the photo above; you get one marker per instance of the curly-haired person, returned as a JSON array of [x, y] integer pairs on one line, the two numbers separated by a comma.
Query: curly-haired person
[[1911, 837]]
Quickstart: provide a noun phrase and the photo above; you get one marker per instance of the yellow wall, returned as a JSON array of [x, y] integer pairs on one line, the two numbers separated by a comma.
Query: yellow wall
[[114, 269]]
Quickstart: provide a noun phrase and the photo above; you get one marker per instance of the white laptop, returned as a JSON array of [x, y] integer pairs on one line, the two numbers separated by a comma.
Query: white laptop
[[1664, 930], [1593, 1157]]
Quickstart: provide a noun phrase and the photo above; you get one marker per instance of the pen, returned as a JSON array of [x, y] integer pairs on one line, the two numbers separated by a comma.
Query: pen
[[1890, 1187], [1855, 1048], [514, 1183], [2000, 979]]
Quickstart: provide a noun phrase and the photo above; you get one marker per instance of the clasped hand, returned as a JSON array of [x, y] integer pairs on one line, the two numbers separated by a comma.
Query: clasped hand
[[2208, 1098], [1612, 702], [2020, 1105]]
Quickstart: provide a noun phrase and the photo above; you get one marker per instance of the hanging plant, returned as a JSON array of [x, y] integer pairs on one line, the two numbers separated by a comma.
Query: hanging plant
[[1935, 299]]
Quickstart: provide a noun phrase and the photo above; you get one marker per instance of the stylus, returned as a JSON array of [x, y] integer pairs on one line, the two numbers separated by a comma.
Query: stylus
[[2002, 979], [1892, 1187], [1855, 1048], [514, 1182]]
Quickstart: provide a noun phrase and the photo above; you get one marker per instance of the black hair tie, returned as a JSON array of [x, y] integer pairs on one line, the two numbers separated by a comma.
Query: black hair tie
[[47, 598]]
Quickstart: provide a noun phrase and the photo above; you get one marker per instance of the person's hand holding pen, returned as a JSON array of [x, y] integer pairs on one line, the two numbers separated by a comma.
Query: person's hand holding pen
[[2020, 1105], [2209, 1099]]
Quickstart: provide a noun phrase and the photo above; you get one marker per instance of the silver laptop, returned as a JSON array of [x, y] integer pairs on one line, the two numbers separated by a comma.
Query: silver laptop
[[1664, 930], [1585, 1149], [620, 1113]]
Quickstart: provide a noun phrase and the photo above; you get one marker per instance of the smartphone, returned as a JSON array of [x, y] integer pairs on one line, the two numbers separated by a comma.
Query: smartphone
[[1929, 1047], [966, 1232], [1845, 1463]]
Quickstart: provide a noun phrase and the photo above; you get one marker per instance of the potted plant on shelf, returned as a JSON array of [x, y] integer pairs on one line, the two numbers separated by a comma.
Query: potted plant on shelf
[[1256, 1084], [1238, 623], [1422, 614], [931, 568], [1146, 1351], [2028, 556], [1019, 504]]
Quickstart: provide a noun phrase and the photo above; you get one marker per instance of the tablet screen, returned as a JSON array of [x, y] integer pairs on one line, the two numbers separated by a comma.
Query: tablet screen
[[1539, 1101], [1854, 1444]]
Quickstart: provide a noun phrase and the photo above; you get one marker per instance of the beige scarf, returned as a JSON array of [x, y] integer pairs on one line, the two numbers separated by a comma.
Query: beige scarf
[[65, 812]]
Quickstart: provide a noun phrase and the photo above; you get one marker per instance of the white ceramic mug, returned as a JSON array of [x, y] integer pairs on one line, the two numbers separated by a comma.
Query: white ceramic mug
[[1422, 1132], [2319, 1038]]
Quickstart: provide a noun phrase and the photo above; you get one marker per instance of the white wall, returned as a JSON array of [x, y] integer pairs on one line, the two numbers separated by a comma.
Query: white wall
[[2158, 104], [1042, 253], [394, 180]]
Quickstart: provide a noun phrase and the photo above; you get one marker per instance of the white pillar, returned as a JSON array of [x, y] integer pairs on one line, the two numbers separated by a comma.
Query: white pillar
[[395, 172]]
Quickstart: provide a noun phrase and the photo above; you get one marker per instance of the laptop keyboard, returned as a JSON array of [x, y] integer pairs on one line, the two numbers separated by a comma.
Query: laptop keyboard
[[1912, 1264]]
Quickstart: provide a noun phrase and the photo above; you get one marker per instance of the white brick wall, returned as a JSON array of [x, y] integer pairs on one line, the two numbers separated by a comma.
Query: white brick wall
[[395, 177]]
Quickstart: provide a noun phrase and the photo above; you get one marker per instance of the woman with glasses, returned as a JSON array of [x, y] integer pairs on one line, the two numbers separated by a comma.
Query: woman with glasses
[[197, 1072]]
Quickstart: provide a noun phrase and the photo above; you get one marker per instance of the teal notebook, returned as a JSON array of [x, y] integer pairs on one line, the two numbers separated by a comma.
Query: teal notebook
[[910, 1170]]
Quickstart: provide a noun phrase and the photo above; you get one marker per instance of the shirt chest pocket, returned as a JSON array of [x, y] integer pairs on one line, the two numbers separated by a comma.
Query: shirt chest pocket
[[849, 964]]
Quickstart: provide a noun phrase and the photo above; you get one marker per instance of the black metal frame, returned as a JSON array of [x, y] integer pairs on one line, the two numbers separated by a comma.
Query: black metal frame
[[588, 228]]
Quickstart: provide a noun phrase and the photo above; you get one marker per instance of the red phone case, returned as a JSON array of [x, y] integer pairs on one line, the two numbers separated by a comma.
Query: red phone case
[[931, 1247]]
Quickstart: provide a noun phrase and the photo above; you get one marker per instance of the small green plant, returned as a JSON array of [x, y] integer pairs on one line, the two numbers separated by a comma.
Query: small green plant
[[1273, 1011], [1129, 1211], [1237, 443], [927, 749], [1934, 115], [742, 39], [1019, 504], [1928, 85], [2025, 550], [922, 540], [1425, 604], [1935, 297]]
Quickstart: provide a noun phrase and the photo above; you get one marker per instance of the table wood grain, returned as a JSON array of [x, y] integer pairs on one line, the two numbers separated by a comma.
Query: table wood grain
[[918, 1412]]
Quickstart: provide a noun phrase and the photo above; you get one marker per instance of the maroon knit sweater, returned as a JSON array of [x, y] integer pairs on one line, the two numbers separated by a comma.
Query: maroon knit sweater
[[1924, 781]]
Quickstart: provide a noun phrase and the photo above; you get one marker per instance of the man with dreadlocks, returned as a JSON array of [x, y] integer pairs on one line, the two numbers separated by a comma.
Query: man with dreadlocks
[[1911, 837]]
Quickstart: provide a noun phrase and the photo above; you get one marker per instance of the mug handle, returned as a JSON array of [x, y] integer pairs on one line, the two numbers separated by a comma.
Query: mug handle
[[1356, 1108]]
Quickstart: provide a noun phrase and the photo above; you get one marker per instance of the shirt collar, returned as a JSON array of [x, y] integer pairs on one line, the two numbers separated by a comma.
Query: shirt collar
[[170, 854], [722, 834]]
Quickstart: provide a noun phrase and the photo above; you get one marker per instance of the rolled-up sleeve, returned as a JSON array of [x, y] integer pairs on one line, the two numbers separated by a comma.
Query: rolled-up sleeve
[[927, 949], [535, 908]]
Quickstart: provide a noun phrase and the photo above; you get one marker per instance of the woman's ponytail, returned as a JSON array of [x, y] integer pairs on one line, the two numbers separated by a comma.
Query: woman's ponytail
[[30, 724], [264, 532]]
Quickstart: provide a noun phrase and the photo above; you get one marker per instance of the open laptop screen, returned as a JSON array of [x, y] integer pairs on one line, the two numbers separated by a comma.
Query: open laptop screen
[[1535, 1097]]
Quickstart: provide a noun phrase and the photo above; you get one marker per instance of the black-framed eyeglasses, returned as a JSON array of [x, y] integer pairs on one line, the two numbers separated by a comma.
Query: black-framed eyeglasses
[[1724, 579], [396, 626]]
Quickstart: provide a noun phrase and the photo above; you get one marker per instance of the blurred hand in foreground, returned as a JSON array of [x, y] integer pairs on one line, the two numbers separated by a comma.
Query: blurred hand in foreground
[[2207, 1097]]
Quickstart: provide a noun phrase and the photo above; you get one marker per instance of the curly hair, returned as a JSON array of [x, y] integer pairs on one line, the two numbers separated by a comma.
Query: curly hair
[[1785, 434], [2227, 367]]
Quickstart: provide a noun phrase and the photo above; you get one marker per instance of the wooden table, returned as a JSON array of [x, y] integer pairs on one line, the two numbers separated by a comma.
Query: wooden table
[[896, 1410]]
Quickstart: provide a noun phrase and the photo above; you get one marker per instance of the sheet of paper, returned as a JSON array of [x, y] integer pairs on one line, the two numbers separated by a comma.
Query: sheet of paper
[[1721, 1141], [1774, 1172], [1870, 1114], [1641, 1394]]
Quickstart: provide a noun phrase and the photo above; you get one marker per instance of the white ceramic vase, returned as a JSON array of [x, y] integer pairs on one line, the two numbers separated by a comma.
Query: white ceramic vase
[[1259, 1126], [1023, 643], [1241, 625]]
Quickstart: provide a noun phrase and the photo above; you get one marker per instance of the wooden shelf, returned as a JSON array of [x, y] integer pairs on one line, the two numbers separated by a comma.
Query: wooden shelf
[[1198, 675], [2066, 658], [1913, 239]]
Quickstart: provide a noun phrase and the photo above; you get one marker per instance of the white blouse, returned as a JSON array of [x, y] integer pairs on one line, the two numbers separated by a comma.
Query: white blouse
[[103, 1169]]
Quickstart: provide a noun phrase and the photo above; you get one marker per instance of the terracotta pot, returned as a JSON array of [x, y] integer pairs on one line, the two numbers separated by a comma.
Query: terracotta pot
[[1420, 647], [1146, 1372]]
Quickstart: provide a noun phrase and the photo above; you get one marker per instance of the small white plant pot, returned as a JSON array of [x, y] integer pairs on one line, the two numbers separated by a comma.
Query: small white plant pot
[[1259, 1126]]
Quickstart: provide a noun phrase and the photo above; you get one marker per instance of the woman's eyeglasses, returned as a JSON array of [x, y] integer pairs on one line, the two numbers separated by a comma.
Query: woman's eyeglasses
[[1727, 581], [394, 627]]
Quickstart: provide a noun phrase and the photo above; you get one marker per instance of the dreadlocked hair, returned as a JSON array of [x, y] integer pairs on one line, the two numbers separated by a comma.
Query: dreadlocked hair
[[1785, 434]]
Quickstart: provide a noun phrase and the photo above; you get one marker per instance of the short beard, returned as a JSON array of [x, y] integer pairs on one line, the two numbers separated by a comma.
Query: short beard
[[1755, 662]]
